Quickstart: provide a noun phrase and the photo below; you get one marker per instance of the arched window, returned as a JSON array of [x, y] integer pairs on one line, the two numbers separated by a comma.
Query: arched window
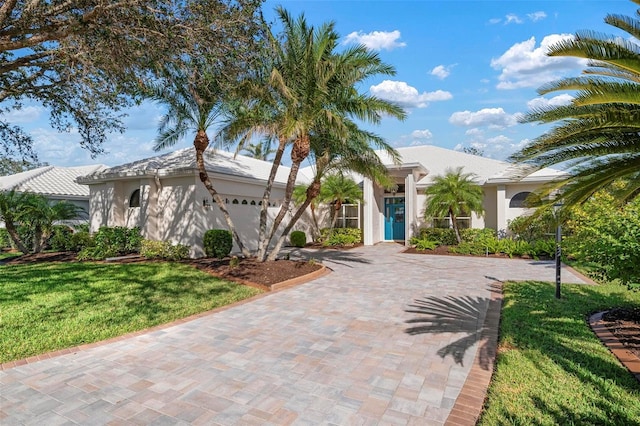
[[519, 200], [134, 199], [253, 202], [235, 201], [244, 202]]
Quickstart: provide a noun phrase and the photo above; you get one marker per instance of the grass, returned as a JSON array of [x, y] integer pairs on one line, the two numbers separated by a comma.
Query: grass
[[9, 254], [551, 368], [51, 306]]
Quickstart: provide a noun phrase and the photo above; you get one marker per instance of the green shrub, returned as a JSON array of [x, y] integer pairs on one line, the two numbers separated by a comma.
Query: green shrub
[[80, 240], [531, 228], [298, 238], [5, 240], [60, 238], [112, 242], [446, 236], [217, 243], [422, 245], [163, 250], [477, 234], [340, 236]]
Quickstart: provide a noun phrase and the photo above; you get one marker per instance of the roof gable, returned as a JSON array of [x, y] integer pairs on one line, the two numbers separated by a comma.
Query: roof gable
[[184, 161], [50, 181]]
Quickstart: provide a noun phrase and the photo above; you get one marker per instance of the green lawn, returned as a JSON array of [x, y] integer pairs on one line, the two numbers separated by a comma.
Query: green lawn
[[50, 306], [551, 368], [7, 254]]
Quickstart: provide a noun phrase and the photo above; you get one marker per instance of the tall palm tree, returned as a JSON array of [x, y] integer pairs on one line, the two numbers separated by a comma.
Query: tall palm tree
[[453, 194], [335, 155], [311, 87], [596, 136], [194, 102]]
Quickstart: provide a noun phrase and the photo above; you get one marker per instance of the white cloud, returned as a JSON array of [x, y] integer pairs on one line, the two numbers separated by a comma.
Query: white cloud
[[538, 103], [376, 40], [475, 133], [27, 114], [512, 18], [525, 65], [422, 134], [536, 16], [441, 71], [499, 140], [492, 117], [494, 21], [407, 96]]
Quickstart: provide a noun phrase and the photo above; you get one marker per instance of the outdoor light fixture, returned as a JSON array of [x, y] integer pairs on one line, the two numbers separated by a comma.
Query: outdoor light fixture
[[206, 203], [556, 209]]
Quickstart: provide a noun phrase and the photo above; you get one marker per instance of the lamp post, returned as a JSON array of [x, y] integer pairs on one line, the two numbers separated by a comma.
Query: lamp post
[[556, 209]]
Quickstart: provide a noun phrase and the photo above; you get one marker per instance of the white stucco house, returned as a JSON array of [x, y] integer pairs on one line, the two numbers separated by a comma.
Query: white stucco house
[[163, 195], [55, 183], [397, 216]]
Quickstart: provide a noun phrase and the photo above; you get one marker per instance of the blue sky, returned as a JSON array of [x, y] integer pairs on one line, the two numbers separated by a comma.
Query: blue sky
[[465, 71]]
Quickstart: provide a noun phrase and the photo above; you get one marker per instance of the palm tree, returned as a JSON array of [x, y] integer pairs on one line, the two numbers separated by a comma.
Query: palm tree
[[596, 136], [40, 215], [335, 155], [453, 195], [10, 204], [194, 102], [35, 212], [261, 150], [338, 189], [310, 87]]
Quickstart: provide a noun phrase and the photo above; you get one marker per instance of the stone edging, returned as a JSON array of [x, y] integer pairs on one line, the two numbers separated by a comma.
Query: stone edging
[[470, 402], [627, 358], [274, 288]]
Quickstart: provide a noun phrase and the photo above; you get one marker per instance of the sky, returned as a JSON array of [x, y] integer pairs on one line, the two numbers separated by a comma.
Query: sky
[[465, 72]]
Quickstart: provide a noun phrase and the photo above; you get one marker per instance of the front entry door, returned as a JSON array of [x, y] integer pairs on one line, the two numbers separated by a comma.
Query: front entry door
[[394, 218]]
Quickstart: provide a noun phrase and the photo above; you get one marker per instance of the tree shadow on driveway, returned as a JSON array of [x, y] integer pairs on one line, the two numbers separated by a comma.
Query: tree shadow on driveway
[[453, 315]]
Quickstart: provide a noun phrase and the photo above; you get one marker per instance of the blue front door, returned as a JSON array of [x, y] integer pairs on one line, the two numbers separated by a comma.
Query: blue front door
[[394, 218]]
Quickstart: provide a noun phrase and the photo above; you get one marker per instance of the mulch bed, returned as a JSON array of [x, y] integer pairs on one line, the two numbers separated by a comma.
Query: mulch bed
[[251, 271], [264, 274]]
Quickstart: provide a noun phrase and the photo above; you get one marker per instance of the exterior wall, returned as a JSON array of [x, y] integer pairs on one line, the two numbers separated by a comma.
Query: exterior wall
[[490, 208], [511, 191]]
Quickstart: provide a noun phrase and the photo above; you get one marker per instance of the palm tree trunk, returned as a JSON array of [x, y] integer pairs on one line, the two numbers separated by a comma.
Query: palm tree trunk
[[299, 152], [15, 237], [454, 223], [263, 243], [314, 188], [201, 144]]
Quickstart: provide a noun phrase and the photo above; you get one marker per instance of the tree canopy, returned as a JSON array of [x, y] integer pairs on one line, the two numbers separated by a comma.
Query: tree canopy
[[84, 60], [596, 136]]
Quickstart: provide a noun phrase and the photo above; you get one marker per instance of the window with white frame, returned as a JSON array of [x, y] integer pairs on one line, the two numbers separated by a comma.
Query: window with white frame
[[348, 216]]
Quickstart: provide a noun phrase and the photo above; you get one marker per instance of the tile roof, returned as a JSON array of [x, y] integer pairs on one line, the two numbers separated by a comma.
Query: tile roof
[[50, 180], [184, 161]]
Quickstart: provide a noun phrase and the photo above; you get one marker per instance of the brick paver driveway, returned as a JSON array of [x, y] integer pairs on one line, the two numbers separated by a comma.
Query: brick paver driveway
[[347, 348]]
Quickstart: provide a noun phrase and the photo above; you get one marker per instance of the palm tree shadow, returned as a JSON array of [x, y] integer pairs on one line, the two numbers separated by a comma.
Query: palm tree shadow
[[453, 315]]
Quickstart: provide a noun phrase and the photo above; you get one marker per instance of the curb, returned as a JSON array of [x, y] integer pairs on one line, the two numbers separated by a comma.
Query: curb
[[470, 402], [626, 358]]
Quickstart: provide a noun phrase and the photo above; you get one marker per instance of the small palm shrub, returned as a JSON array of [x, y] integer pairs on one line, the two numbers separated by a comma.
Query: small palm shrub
[[163, 250], [423, 244], [340, 236], [298, 238], [217, 243]]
